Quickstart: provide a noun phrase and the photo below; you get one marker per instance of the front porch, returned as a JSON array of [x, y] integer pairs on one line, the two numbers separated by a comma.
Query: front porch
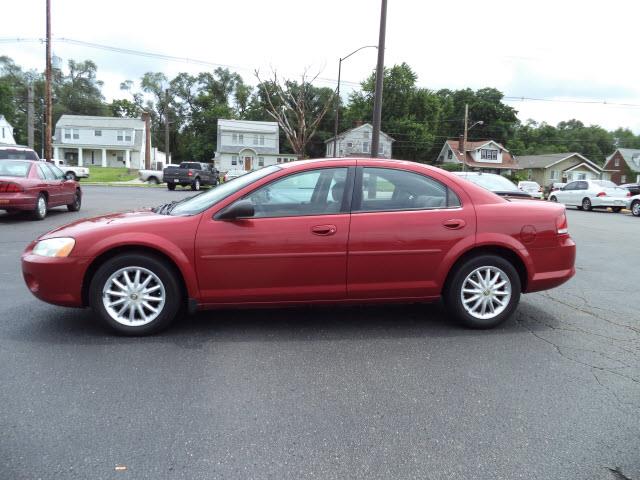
[[103, 157]]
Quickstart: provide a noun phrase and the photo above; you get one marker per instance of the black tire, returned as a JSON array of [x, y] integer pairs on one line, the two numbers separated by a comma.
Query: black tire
[[173, 293], [77, 202], [635, 208], [553, 199], [153, 181], [39, 213], [616, 209], [196, 184], [452, 294], [71, 176], [586, 204], [171, 186]]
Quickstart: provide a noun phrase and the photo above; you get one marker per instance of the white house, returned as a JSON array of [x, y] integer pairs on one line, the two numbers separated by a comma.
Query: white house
[[248, 145], [357, 143], [6, 132], [101, 141]]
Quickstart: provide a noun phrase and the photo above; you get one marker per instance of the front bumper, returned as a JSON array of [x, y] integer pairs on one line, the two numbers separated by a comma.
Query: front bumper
[[55, 280], [561, 259]]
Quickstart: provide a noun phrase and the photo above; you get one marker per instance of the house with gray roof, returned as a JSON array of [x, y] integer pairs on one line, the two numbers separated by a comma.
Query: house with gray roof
[[559, 167], [101, 141], [623, 165], [6, 132], [356, 142]]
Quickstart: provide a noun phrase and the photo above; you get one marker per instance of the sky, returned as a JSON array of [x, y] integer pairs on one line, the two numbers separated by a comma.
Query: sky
[[576, 55]]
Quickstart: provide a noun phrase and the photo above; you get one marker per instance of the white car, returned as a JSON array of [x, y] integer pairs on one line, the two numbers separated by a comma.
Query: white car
[[154, 176], [633, 204], [231, 174], [590, 194], [532, 188], [70, 172]]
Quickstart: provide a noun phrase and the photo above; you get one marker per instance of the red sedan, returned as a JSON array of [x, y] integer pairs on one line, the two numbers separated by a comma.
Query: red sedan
[[36, 186], [311, 232]]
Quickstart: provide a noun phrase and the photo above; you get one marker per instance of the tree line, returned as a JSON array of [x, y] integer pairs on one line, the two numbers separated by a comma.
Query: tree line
[[419, 119]]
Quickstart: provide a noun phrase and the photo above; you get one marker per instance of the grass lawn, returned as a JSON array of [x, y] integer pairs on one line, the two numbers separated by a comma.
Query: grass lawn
[[111, 174]]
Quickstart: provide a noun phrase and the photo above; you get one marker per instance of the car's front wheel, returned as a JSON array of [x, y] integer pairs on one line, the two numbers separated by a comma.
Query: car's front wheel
[[635, 208], [553, 198], [196, 184], [483, 291], [71, 176], [40, 212], [76, 204], [135, 294]]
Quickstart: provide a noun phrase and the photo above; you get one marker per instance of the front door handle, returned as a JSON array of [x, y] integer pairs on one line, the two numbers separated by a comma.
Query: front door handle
[[454, 223], [324, 230]]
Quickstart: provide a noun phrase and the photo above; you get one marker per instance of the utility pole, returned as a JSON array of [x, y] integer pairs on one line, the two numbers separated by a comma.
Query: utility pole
[[464, 137], [335, 125], [48, 100], [166, 127], [377, 104], [147, 140], [30, 115]]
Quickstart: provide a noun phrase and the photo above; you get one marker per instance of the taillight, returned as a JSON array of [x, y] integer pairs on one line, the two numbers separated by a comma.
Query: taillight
[[562, 226], [190, 173], [10, 187], [601, 194], [628, 194]]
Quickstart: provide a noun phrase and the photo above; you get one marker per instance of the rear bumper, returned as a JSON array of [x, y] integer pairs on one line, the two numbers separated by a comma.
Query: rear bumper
[[55, 280], [17, 201], [554, 266]]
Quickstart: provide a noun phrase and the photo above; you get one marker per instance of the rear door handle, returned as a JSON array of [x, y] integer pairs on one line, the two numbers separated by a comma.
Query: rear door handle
[[454, 224], [324, 230]]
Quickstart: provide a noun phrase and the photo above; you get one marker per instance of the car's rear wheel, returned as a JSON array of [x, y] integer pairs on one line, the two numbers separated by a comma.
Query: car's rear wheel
[[71, 176], [76, 204], [635, 208], [616, 209], [196, 184], [586, 204], [553, 199], [171, 186], [483, 291], [40, 211], [135, 294], [153, 181]]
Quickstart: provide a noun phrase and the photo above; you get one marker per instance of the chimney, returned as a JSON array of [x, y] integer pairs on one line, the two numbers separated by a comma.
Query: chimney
[[358, 123]]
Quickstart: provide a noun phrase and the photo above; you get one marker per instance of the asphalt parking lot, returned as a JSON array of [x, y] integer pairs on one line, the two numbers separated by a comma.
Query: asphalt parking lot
[[363, 392]]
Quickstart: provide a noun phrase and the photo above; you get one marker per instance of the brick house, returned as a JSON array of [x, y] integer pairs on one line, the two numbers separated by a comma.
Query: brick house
[[623, 165]]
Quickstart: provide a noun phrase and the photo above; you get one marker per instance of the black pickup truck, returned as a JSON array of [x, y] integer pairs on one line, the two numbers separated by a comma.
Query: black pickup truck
[[194, 174]]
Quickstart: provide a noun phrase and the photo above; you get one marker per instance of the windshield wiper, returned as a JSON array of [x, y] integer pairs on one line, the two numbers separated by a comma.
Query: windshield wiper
[[165, 208]]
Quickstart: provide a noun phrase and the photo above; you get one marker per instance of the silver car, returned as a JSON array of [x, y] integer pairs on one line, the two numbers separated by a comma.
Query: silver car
[[532, 188], [633, 204], [590, 194]]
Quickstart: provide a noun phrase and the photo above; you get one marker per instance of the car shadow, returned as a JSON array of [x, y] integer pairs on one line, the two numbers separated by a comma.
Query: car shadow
[[17, 217], [309, 324]]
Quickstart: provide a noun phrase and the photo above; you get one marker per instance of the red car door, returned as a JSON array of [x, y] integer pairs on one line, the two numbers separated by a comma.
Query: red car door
[[402, 227], [294, 248], [49, 182], [67, 188]]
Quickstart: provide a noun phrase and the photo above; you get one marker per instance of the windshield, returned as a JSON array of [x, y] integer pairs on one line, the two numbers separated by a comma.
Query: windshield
[[12, 168], [17, 154], [201, 202], [495, 183]]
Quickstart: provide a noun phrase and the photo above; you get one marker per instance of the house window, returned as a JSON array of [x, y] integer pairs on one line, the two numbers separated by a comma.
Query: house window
[[2, 132], [261, 139], [582, 176], [120, 158], [365, 135], [349, 144], [381, 149], [623, 179], [76, 133], [554, 175], [255, 139], [241, 139], [127, 135], [97, 133], [234, 159], [279, 160], [487, 154], [234, 138], [365, 147], [67, 133], [617, 162], [120, 135], [449, 155], [261, 161]]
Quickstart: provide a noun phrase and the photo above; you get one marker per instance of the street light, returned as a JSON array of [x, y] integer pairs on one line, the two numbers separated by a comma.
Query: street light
[[466, 130], [335, 127]]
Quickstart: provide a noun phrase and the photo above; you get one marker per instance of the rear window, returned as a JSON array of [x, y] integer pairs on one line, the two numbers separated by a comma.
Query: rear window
[[17, 154], [605, 183], [12, 168], [494, 183]]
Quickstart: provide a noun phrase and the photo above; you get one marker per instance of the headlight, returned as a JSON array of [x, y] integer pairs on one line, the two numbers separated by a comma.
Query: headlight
[[54, 247]]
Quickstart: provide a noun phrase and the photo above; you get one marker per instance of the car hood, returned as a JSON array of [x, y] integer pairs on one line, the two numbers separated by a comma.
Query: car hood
[[106, 222]]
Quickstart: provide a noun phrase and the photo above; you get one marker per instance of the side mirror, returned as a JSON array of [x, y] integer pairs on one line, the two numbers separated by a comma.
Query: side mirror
[[240, 209]]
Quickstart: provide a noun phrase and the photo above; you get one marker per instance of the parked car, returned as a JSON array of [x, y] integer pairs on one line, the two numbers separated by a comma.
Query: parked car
[[154, 176], [17, 152], [71, 172], [194, 174], [556, 186], [494, 183], [633, 204], [634, 188], [36, 187], [315, 232], [532, 188], [231, 174], [590, 194]]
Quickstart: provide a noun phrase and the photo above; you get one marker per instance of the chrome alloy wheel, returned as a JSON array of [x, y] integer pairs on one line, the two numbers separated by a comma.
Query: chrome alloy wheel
[[42, 206], [635, 209], [133, 296], [486, 292]]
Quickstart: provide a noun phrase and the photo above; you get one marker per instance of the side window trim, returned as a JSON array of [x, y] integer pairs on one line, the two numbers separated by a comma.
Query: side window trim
[[357, 194]]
